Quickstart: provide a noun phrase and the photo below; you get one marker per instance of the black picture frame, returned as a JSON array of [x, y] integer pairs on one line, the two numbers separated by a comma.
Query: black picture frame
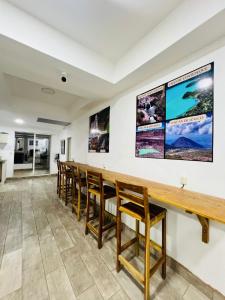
[[63, 146], [177, 118], [99, 131]]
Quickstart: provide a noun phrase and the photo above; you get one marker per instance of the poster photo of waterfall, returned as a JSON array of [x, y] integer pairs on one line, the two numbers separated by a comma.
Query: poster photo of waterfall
[[190, 138]]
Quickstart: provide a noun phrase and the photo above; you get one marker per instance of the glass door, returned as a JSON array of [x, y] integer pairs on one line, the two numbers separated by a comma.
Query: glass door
[[23, 154], [42, 154]]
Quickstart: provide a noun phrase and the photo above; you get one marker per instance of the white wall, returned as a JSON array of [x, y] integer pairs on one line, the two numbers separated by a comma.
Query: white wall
[[7, 151], [207, 261]]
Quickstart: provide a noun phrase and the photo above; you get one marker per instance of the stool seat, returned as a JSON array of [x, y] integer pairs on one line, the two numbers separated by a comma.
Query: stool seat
[[133, 209]]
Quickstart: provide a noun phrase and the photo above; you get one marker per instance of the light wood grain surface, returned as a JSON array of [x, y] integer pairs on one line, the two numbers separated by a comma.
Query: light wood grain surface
[[203, 205]]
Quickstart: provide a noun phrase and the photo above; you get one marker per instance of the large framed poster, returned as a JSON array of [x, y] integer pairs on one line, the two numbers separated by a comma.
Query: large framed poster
[[182, 109], [189, 115], [150, 126], [99, 131]]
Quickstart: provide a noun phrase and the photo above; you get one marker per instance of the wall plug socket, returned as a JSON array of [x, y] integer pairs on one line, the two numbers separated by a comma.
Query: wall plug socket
[[183, 181]]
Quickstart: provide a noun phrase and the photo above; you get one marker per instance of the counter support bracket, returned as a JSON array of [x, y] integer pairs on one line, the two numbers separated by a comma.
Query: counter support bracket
[[205, 228]]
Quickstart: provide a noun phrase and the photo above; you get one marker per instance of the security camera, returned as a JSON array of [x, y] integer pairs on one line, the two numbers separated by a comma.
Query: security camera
[[64, 77]]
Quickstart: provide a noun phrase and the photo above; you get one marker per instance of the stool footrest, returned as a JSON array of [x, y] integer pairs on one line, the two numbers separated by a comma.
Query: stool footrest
[[159, 262], [128, 244], [108, 226], [131, 269], [92, 229]]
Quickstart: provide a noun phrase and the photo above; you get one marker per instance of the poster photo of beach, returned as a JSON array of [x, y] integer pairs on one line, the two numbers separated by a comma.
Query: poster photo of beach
[[190, 94], [190, 138], [151, 106], [99, 131], [150, 141]]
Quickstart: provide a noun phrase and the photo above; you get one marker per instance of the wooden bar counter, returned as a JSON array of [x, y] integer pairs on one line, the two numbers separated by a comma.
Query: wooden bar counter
[[206, 207]]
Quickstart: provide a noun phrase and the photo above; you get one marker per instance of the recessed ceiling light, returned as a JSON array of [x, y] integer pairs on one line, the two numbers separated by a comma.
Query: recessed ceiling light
[[19, 121], [48, 91]]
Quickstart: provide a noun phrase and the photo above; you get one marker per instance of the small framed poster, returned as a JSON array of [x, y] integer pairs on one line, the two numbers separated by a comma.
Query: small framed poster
[[62, 146], [99, 131]]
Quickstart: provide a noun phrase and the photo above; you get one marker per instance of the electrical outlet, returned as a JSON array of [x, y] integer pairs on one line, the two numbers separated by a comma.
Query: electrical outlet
[[183, 180]]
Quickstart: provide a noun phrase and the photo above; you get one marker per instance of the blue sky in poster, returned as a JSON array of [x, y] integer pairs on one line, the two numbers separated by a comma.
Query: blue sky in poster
[[199, 132]]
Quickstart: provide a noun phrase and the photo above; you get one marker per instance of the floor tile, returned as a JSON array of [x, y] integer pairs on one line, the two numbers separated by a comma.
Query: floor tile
[[59, 285], [120, 295], [103, 278], [193, 293], [11, 273], [91, 294], [17, 295]]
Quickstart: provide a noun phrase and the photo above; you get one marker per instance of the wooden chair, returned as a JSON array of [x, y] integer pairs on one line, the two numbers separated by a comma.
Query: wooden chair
[[138, 207], [58, 177], [66, 182], [96, 188], [79, 197]]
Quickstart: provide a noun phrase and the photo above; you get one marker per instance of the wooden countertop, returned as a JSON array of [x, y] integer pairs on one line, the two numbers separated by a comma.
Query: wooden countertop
[[203, 205]]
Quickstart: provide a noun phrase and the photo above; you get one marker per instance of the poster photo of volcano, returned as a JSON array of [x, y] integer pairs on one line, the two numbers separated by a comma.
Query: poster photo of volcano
[[190, 94], [190, 138], [150, 141], [151, 106], [99, 131]]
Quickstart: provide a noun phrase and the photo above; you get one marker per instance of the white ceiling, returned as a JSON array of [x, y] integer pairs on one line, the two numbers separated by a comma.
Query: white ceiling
[[33, 56], [108, 27], [32, 91]]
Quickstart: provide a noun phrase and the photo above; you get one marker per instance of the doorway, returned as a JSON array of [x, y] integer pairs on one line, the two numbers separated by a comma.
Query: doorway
[[69, 149], [31, 154], [42, 154]]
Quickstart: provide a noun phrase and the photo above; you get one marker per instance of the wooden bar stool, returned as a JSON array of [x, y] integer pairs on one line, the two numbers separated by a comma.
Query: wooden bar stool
[[79, 197], [58, 177], [96, 188], [138, 207], [66, 182]]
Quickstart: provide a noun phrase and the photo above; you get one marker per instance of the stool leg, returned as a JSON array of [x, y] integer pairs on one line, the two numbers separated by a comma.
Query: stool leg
[[147, 260], [73, 196], [78, 204], [67, 187], [118, 233], [164, 247], [137, 237], [63, 187], [88, 211], [94, 207], [100, 223], [57, 182], [60, 185]]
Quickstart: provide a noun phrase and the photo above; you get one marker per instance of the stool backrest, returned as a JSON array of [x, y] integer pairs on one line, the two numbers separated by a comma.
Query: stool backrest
[[94, 179], [58, 165], [133, 193], [62, 167]]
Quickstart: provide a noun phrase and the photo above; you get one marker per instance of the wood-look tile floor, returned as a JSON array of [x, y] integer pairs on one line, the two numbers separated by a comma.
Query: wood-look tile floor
[[44, 253]]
